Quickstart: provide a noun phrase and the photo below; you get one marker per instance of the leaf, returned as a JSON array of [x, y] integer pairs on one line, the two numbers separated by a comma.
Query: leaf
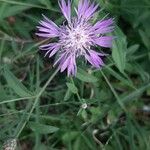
[[3, 93], [132, 49], [42, 128], [47, 3], [32, 5], [119, 77], [69, 136], [145, 38], [84, 114], [135, 94], [119, 49], [15, 84], [13, 10], [72, 88], [3, 7], [67, 95], [86, 77]]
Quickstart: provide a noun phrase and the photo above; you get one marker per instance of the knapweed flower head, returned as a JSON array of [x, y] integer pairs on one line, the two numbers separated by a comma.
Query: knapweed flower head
[[77, 37]]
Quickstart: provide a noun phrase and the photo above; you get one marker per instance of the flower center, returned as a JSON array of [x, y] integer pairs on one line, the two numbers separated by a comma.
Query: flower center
[[76, 39]]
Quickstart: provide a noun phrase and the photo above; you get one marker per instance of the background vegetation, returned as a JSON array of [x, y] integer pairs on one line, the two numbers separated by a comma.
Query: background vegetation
[[55, 116]]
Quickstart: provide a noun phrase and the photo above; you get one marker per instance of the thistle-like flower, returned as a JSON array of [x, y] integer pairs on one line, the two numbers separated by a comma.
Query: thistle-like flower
[[77, 36]]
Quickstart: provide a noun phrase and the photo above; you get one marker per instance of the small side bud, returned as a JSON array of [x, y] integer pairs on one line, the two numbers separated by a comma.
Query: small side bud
[[84, 106]]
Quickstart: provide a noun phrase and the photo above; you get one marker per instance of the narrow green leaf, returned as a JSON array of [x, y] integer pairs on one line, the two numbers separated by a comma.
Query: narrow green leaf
[[119, 77], [86, 77], [42, 128], [69, 136], [132, 49], [3, 94], [119, 49], [13, 10], [67, 95], [47, 3], [72, 88], [3, 7], [135, 94], [144, 38], [15, 84], [26, 4]]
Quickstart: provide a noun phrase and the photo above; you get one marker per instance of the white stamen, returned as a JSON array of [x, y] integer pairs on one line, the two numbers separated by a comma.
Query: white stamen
[[76, 39]]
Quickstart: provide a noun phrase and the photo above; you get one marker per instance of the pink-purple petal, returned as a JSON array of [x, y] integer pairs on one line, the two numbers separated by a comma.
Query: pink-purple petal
[[65, 8], [104, 41], [86, 10], [92, 9], [51, 48], [54, 51], [103, 23], [94, 58], [61, 58], [65, 64], [103, 26], [51, 22], [72, 68], [47, 29]]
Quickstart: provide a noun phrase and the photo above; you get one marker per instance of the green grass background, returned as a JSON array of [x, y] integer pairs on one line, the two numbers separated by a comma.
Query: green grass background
[[42, 109]]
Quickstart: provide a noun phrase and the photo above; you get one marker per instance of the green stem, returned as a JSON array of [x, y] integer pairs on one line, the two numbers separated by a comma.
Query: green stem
[[36, 101], [37, 109], [114, 92], [78, 96]]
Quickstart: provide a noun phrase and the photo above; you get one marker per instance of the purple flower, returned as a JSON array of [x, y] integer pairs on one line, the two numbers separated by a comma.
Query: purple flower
[[76, 38]]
